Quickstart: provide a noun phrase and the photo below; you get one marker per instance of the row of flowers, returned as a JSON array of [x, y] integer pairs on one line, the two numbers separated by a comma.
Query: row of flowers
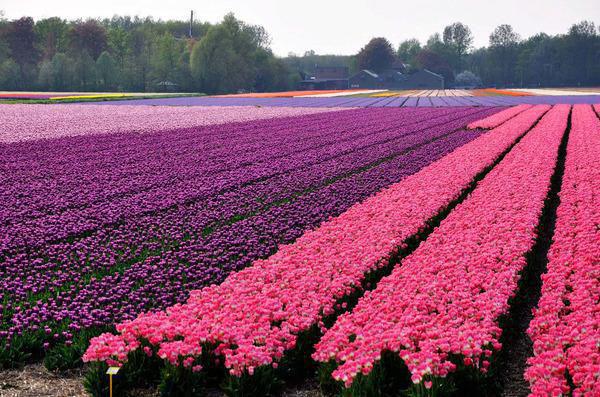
[[32, 122], [50, 197], [256, 315], [494, 91], [566, 325], [445, 299], [152, 261], [496, 119], [111, 169]]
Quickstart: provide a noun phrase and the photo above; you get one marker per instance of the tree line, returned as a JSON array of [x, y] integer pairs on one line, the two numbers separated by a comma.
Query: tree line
[[143, 54], [138, 54], [542, 60]]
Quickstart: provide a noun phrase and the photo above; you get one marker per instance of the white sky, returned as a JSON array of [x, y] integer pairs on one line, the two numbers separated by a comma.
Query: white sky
[[340, 26]]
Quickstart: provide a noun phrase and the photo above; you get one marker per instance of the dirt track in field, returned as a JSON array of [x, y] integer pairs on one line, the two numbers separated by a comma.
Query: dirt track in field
[[36, 381]]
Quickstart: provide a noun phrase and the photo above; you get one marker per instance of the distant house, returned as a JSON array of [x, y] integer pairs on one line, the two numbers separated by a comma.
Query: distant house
[[331, 72], [166, 85], [395, 79], [365, 79], [326, 78], [423, 79]]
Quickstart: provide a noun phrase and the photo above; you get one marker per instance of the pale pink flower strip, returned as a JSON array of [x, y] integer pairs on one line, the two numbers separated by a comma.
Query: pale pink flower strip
[[257, 313], [495, 120], [566, 325], [446, 297], [30, 122]]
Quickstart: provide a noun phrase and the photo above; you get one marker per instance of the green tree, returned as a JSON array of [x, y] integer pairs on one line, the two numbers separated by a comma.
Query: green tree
[[477, 63], [20, 38], [61, 71], [9, 75], [458, 39], [408, 50], [272, 73], [4, 51], [138, 65], [89, 37], [435, 44], [439, 56], [165, 58], [45, 77], [503, 53], [183, 72], [55, 74], [117, 40], [583, 29], [216, 64], [106, 71], [51, 36], [377, 55], [227, 58], [84, 69], [504, 36], [542, 66], [583, 49]]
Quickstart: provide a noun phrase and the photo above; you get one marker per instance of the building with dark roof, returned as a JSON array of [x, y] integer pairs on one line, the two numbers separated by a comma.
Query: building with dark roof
[[326, 78], [394, 79]]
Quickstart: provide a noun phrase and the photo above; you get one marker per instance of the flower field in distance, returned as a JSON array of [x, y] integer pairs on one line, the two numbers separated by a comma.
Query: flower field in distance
[[378, 250]]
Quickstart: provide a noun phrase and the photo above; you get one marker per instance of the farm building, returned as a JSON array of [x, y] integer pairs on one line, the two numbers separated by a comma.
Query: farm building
[[326, 78], [395, 79]]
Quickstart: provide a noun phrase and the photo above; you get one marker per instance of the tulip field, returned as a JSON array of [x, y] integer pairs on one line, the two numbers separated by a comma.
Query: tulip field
[[361, 244]]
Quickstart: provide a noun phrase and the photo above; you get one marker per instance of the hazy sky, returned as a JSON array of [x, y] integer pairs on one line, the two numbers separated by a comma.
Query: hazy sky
[[339, 27]]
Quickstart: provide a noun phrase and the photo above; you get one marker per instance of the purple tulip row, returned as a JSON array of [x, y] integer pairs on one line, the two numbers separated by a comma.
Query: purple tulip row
[[173, 181], [125, 165], [107, 167], [28, 122], [151, 259], [223, 206]]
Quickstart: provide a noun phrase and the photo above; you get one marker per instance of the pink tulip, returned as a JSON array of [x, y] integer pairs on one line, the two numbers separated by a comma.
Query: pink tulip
[[447, 296], [567, 338], [495, 120]]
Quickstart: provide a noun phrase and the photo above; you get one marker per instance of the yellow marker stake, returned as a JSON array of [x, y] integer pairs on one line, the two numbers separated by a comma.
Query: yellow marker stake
[[110, 372]]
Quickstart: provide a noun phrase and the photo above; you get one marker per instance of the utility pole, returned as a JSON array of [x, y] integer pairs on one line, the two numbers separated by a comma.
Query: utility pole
[[191, 22]]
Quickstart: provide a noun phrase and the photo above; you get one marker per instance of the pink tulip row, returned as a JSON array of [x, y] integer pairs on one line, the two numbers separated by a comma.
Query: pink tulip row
[[446, 297], [30, 122], [566, 326], [256, 315], [495, 120]]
